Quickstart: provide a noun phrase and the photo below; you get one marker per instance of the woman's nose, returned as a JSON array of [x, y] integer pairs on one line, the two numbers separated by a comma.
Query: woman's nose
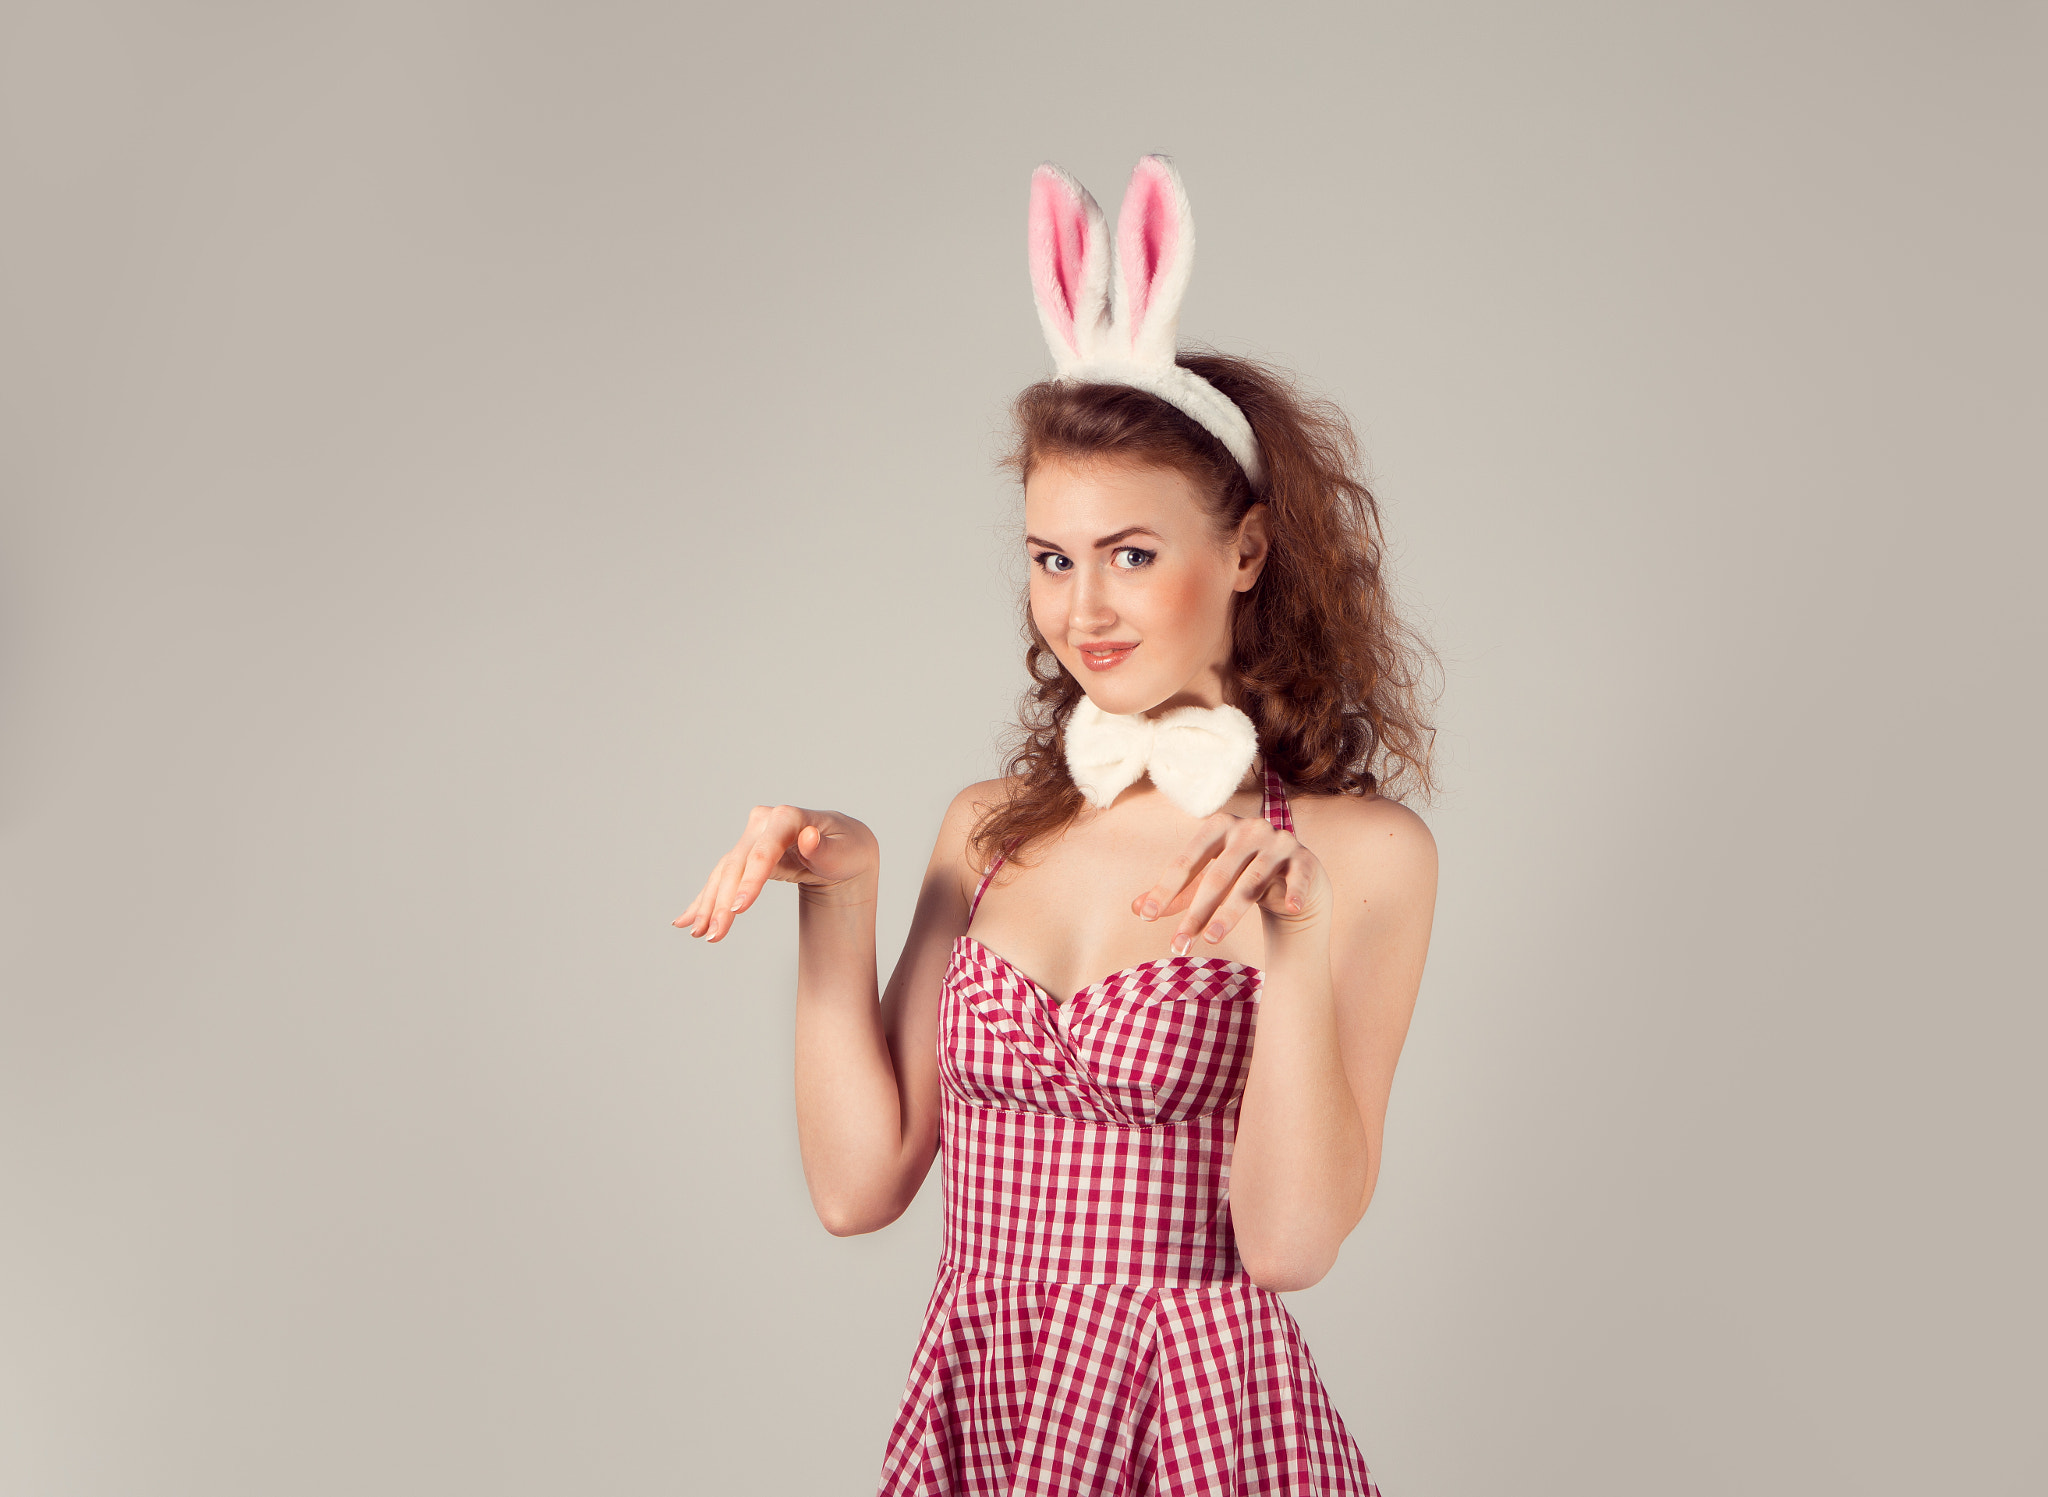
[[1089, 611]]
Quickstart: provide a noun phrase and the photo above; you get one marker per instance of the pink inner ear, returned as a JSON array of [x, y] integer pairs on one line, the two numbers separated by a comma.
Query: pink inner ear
[[1059, 243], [1147, 238]]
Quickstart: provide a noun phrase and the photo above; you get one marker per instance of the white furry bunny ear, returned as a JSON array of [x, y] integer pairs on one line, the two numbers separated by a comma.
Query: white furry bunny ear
[[1155, 254], [1070, 253], [1111, 312]]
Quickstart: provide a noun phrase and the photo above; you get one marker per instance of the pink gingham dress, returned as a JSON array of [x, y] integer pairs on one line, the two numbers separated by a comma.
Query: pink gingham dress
[[1092, 1331]]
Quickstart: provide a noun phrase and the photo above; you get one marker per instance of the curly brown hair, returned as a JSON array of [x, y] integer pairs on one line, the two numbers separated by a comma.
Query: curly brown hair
[[1329, 676]]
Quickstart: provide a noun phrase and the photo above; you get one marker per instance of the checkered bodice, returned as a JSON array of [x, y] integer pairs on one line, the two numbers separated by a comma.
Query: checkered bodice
[[1088, 1142]]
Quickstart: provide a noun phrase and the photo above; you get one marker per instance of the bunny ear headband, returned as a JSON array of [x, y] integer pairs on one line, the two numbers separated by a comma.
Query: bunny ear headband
[[1110, 311]]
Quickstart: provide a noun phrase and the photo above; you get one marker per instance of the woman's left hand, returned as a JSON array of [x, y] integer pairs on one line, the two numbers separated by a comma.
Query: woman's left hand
[[1233, 864]]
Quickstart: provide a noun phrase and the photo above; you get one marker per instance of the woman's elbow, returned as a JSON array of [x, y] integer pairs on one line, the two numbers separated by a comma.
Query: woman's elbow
[[1285, 1278], [842, 1225], [858, 1206], [1283, 1272], [857, 1212], [854, 1218]]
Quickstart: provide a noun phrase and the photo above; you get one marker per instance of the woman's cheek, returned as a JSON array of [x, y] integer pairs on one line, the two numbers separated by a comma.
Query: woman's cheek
[[1176, 604], [1045, 614]]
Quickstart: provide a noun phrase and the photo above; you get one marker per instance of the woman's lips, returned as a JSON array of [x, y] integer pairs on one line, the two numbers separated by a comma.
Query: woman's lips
[[1107, 657]]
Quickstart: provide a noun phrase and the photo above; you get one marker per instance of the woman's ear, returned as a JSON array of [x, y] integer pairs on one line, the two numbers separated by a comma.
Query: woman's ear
[[1254, 544]]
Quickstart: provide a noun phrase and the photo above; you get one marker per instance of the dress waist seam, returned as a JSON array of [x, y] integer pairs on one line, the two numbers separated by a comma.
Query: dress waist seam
[[1239, 1280], [1228, 1110]]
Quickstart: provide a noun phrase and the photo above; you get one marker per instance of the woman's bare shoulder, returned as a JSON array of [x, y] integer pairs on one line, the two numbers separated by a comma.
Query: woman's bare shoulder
[[987, 793], [975, 801], [967, 810], [1369, 843]]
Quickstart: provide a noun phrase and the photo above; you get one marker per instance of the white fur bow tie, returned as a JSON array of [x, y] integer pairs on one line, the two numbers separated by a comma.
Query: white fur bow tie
[[1197, 756]]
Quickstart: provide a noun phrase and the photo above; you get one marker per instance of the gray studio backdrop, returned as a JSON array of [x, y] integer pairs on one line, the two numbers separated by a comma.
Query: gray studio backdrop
[[458, 457]]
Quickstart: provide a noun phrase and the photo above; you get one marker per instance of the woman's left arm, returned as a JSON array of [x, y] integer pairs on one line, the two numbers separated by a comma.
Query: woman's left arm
[[1341, 976]]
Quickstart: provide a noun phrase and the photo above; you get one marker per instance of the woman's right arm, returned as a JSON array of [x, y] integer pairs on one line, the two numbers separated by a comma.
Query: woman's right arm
[[867, 1082]]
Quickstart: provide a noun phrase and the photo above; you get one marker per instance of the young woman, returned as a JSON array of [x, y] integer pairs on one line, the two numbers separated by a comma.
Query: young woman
[[1137, 1165]]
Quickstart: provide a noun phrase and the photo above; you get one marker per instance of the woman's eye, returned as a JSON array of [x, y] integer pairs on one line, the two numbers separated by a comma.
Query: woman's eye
[[1045, 560], [1144, 558]]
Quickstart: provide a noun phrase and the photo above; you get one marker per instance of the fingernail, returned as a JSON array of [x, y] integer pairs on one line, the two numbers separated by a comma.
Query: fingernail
[[737, 903], [1215, 932], [1180, 945], [1151, 910]]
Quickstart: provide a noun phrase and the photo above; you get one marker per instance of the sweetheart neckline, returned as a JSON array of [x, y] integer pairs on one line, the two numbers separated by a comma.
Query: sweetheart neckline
[[1155, 961]]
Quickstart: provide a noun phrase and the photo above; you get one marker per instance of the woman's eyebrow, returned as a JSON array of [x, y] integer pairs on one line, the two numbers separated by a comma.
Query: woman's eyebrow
[[1108, 540]]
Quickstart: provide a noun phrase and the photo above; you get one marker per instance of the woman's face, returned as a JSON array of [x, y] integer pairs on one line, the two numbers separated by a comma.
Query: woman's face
[[1129, 583]]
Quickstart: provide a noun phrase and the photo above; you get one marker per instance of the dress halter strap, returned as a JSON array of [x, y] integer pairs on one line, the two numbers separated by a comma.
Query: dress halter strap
[[1272, 806], [982, 887]]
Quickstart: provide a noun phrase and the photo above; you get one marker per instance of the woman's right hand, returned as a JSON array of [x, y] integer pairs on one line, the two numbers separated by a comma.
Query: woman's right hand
[[819, 850]]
